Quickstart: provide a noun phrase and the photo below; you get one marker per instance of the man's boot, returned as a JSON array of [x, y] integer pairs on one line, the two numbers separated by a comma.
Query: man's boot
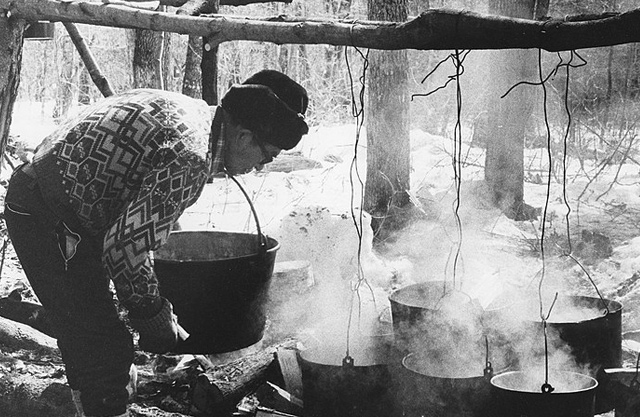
[[131, 388], [75, 397]]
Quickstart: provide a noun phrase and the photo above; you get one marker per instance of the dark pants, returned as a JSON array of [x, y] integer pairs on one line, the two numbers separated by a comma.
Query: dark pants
[[95, 344]]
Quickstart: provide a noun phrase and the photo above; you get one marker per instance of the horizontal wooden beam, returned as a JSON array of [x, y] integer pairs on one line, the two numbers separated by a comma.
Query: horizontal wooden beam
[[435, 29]]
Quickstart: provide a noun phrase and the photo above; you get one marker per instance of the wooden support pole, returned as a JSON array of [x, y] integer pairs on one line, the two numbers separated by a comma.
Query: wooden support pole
[[180, 3], [435, 29], [89, 61]]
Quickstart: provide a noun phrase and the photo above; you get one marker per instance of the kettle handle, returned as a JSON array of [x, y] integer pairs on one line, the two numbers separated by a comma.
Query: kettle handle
[[262, 239]]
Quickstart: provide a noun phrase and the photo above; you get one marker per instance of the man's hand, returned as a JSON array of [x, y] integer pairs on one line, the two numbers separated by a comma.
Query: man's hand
[[158, 334]]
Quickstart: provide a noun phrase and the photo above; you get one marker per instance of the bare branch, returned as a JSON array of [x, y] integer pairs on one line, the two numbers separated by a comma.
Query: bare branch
[[89, 61]]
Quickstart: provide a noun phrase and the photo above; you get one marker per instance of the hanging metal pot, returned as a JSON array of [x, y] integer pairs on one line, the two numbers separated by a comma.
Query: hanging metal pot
[[429, 388], [218, 283], [434, 315], [358, 384], [520, 393], [589, 328]]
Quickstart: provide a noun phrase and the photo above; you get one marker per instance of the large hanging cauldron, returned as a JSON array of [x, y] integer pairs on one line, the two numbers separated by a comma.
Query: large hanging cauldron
[[428, 387], [357, 384], [521, 393], [433, 315], [218, 283], [589, 328]]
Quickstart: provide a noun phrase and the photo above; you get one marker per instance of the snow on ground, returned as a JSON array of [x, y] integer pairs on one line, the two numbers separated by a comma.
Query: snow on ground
[[310, 213]]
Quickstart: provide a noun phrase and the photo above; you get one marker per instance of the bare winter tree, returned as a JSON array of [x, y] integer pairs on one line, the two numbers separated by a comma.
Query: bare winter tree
[[192, 80], [507, 116], [10, 59], [388, 150], [151, 59], [68, 71], [201, 65]]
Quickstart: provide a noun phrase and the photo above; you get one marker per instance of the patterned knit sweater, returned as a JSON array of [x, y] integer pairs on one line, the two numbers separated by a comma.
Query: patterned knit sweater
[[125, 170]]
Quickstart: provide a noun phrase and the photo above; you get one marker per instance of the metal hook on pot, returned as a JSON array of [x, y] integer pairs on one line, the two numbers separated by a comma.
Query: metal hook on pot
[[262, 239], [347, 361], [488, 369], [547, 388]]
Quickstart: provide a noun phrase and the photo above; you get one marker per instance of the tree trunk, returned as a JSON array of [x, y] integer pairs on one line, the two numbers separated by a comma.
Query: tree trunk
[[192, 80], [150, 59], [147, 43], [10, 62], [507, 117], [68, 75], [387, 124]]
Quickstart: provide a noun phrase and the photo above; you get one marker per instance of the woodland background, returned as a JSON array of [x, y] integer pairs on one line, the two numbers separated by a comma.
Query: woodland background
[[603, 101], [603, 96]]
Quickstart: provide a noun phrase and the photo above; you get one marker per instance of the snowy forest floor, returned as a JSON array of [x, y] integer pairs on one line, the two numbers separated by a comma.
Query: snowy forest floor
[[304, 200]]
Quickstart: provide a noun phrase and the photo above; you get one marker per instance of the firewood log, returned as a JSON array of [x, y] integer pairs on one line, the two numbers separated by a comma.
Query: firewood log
[[216, 391], [16, 336], [31, 314]]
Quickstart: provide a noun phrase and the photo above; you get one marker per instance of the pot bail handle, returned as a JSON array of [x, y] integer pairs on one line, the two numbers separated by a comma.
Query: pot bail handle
[[635, 383], [593, 283], [262, 239]]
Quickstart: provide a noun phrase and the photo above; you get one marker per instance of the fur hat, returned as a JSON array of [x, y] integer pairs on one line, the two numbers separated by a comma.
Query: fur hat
[[271, 105]]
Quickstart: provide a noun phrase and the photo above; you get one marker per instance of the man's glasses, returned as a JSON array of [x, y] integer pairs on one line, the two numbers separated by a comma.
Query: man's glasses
[[266, 155]]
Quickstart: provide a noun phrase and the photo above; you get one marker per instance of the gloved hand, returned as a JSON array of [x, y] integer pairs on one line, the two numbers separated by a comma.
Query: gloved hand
[[158, 334]]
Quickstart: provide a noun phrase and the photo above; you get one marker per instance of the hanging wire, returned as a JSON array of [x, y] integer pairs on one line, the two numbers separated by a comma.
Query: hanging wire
[[552, 73], [457, 161], [547, 387], [549, 176], [461, 56], [457, 58], [488, 368], [357, 111], [569, 252], [5, 243], [575, 61], [635, 382]]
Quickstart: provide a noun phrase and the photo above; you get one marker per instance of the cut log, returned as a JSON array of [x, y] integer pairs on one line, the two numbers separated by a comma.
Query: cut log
[[31, 314], [15, 336], [216, 392], [26, 396], [290, 278], [138, 410]]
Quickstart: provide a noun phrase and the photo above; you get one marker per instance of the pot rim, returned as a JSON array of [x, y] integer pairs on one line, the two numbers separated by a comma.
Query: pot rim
[[307, 355], [393, 297], [591, 380], [614, 307], [454, 378], [272, 246]]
